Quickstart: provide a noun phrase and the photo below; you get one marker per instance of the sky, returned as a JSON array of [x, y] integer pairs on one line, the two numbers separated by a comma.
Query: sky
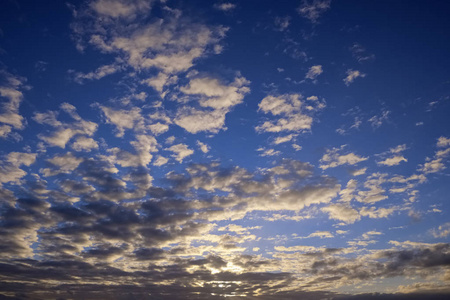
[[168, 149]]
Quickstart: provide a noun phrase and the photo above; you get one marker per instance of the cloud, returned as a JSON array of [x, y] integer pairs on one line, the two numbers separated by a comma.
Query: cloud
[[180, 151], [203, 147], [64, 132], [62, 164], [378, 120], [379, 213], [320, 234], [358, 172], [123, 119], [312, 10], [342, 212], [120, 9], [332, 158], [359, 52], [437, 163], [214, 94], [213, 100], [442, 231], [83, 143], [291, 111], [171, 46], [194, 120], [225, 6], [283, 139], [99, 73], [313, 72], [282, 23], [443, 142], [352, 75], [392, 161], [10, 170], [160, 160], [10, 86], [268, 152]]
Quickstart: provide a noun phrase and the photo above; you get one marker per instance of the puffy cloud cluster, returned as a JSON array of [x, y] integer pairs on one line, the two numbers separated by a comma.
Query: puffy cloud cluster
[[292, 112], [63, 132], [437, 163], [211, 101], [312, 10], [10, 89], [332, 158]]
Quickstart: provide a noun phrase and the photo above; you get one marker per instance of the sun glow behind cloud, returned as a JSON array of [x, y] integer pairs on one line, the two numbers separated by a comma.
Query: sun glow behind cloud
[[201, 150]]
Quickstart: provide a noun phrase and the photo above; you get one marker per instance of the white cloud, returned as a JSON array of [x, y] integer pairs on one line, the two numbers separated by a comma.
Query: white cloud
[[120, 8], [312, 10], [359, 52], [443, 142], [284, 104], [19, 158], [226, 6], [352, 75], [216, 95], [442, 231], [180, 151], [284, 139], [124, 119], [332, 158], [320, 234], [203, 147], [377, 120], [342, 212], [160, 81], [289, 108], [374, 191], [170, 140], [433, 166], [144, 145], [215, 100], [194, 120], [358, 172], [377, 213], [64, 132], [392, 161], [58, 138], [83, 143], [282, 24], [48, 118], [268, 152], [64, 163], [99, 73], [160, 160], [437, 164], [4, 131], [296, 147], [313, 72], [9, 111]]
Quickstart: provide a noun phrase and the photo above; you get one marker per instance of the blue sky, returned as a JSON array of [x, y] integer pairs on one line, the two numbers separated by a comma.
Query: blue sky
[[212, 149]]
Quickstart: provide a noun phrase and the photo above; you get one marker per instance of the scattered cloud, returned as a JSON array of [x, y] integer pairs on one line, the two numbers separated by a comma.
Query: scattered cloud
[[360, 53], [352, 75], [332, 158], [313, 72], [292, 112], [312, 10], [180, 151], [378, 120], [225, 6]]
